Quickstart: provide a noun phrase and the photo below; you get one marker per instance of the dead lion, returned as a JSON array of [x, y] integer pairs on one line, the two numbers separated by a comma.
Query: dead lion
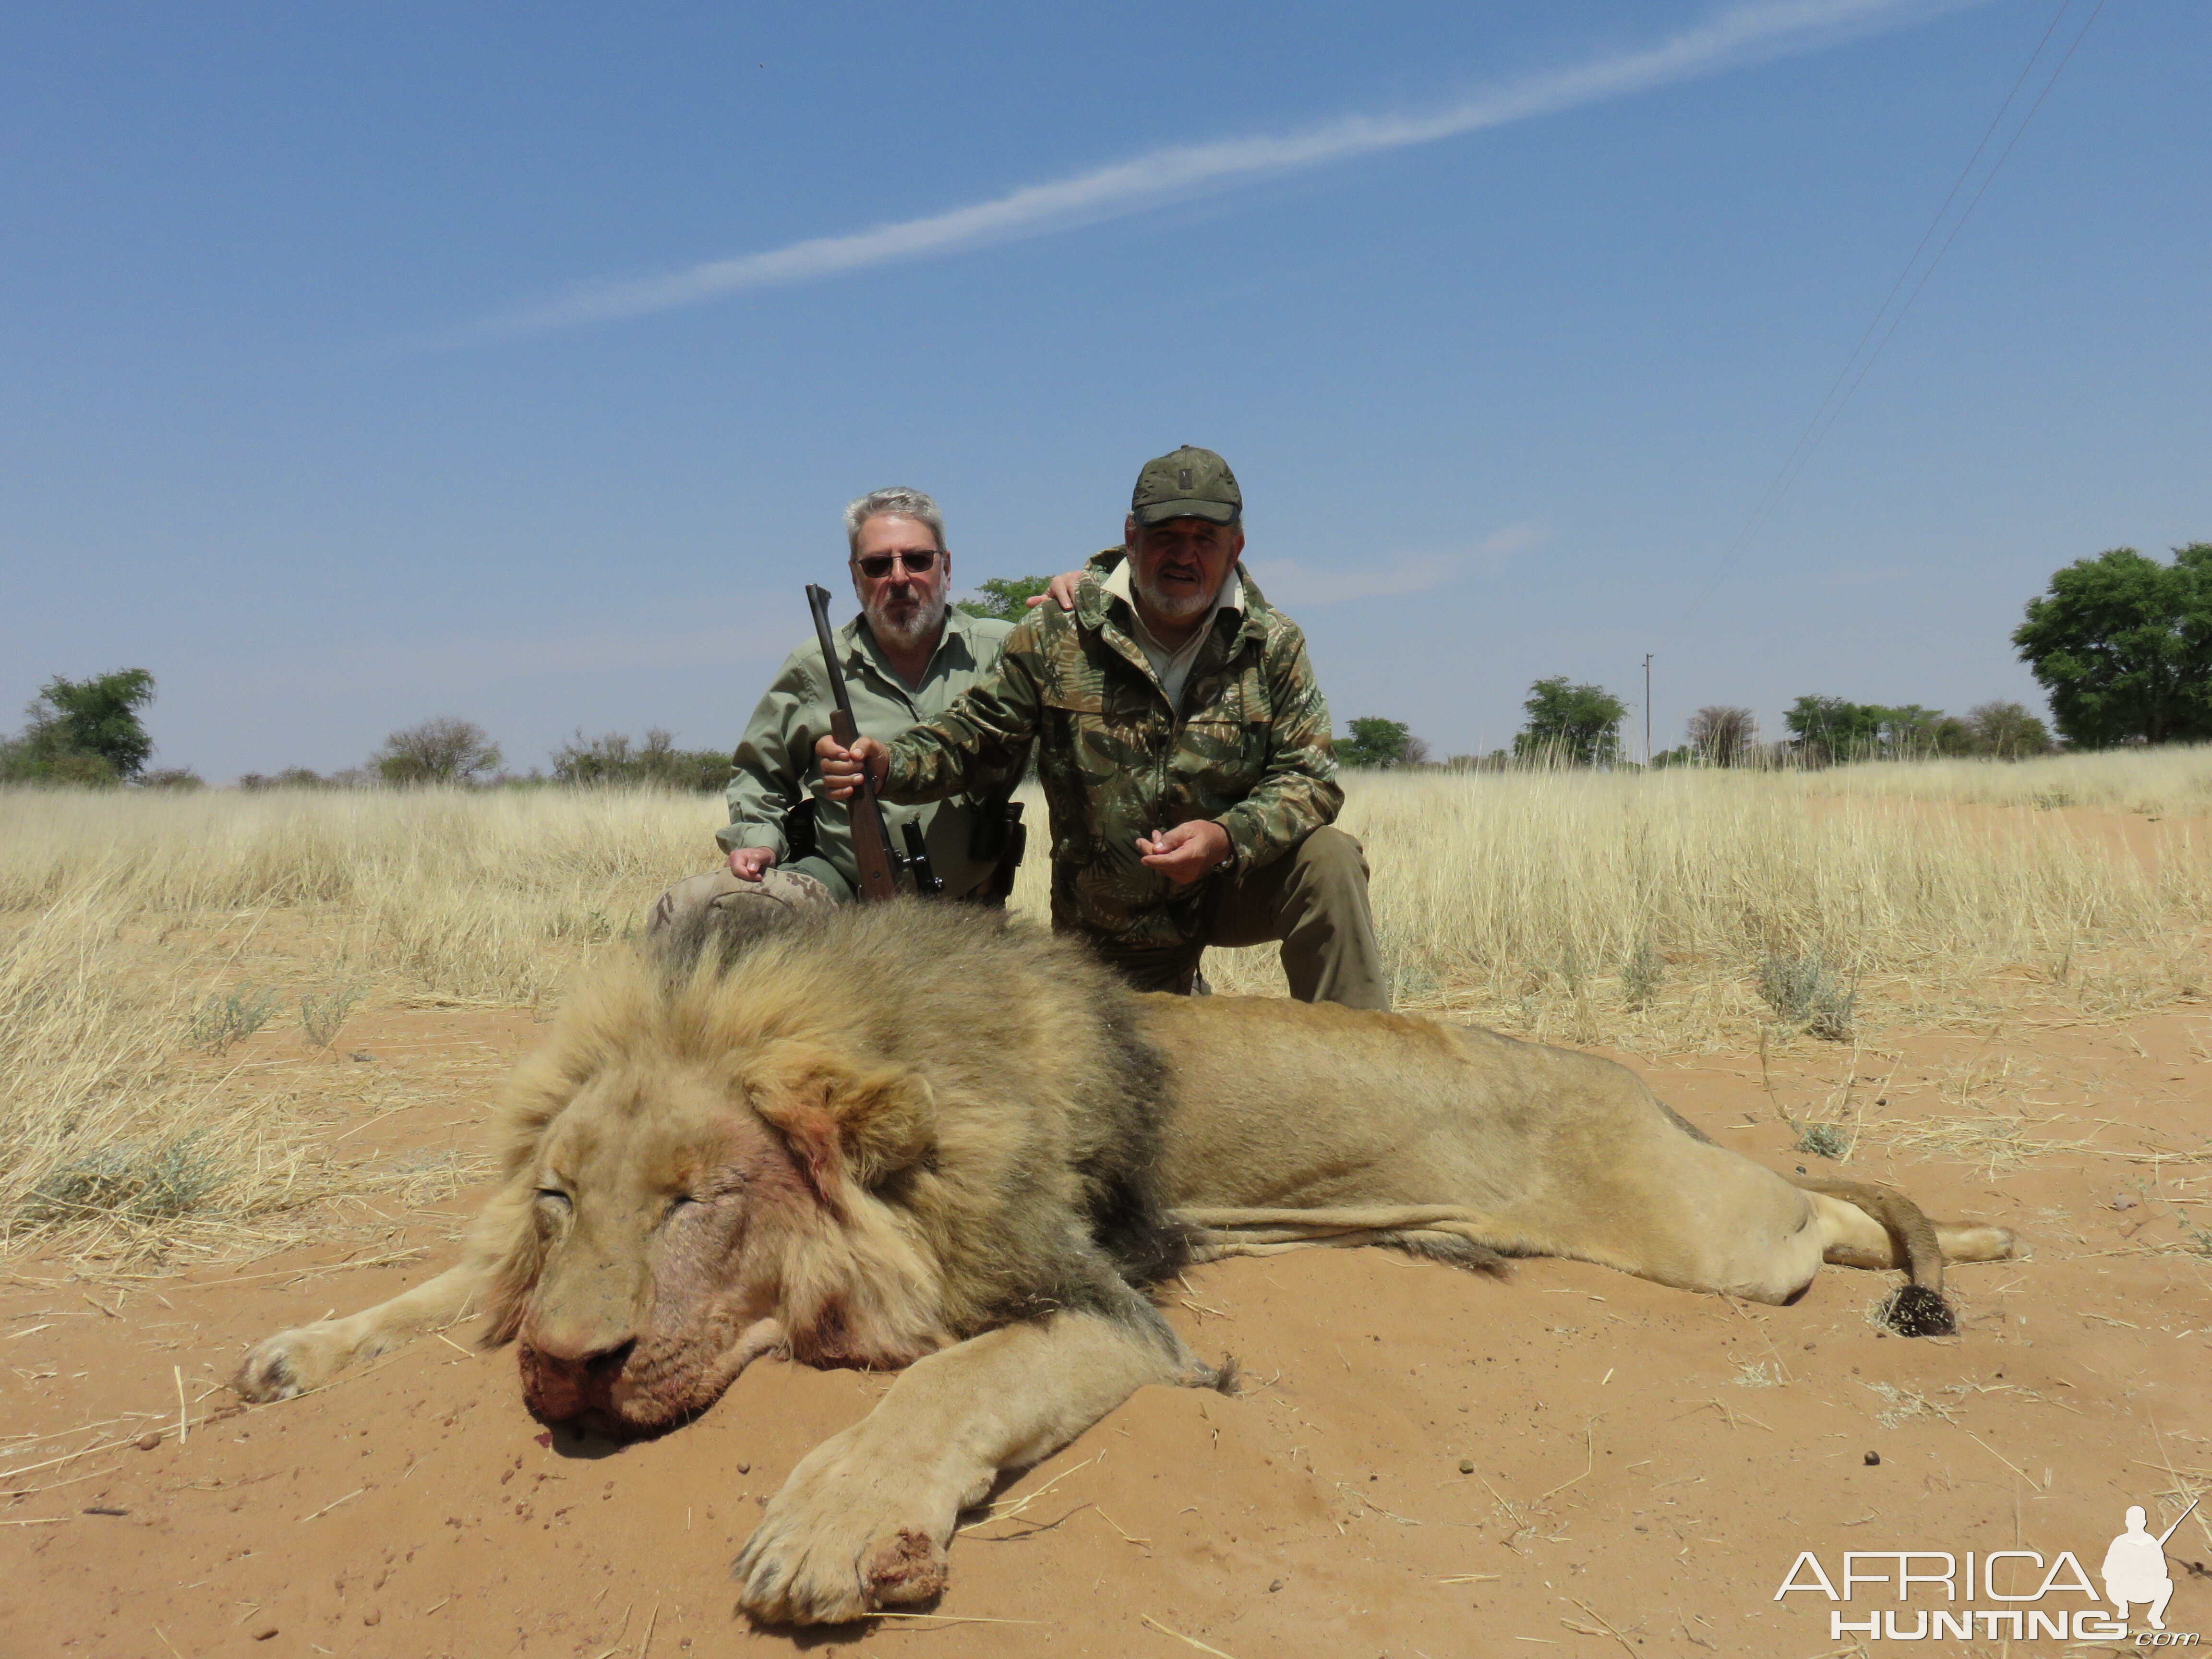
[[913, 1136]]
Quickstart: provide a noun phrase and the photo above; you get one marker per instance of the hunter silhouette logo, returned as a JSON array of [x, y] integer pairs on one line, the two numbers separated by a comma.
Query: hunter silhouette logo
[[2135, 1567], [2134, 1571]]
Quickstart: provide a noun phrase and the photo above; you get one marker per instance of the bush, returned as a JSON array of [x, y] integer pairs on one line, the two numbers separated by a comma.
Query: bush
[[132, 1179], [322, 1017], [2006, 730], [442, 750], [1721, 736], [1804, 992], [222, 1020], [291, 777], [613, 759], [173, 777]]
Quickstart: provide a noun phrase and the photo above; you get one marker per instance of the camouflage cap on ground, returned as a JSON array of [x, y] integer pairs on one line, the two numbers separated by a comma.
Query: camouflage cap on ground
[[1190, 483]]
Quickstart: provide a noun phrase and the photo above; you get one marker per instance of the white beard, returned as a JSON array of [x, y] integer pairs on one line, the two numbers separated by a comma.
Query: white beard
[[907, 626], [1178, 608]]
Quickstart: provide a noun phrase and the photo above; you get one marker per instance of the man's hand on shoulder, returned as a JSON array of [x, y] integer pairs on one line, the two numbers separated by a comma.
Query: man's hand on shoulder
[[1061, 592], [841, 766], [1186, 852], [751, 863]]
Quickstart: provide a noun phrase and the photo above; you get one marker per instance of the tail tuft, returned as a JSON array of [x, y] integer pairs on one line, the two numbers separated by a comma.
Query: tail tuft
[[1915, 1311]]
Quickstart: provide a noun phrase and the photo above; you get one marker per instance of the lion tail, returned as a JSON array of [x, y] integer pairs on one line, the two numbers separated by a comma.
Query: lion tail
[[1918, 1307]]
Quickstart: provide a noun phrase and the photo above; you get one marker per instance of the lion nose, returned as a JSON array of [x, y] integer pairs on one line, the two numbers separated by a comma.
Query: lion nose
[[606, 1366], [598, 1354]]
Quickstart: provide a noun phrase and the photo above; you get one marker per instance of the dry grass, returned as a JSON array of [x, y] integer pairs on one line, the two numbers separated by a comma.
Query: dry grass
[[1647, 911], [2157, 781]]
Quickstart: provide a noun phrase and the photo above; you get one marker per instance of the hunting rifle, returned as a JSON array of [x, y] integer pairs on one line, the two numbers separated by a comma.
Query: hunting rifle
[[879, 863]]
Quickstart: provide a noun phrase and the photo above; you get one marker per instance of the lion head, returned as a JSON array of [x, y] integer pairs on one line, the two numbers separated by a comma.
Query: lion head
[[688, 1189]]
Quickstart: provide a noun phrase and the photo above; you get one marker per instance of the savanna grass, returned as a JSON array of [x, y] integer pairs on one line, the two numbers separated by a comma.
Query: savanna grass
[[1648, 911]]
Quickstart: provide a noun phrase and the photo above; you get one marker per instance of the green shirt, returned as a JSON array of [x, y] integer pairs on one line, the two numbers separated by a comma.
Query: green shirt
[[775, 767], [1248, 747]]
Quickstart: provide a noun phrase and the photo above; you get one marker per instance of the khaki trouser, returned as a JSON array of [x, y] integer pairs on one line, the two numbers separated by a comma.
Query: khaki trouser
[[794, 887], [1313, 899]]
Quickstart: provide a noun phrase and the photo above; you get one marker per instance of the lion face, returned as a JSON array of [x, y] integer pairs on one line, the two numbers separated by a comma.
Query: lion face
[[660, 1209]]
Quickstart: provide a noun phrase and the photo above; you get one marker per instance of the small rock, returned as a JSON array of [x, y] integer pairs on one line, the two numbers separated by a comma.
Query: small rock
[[149, 1440], [1273, 1588], [371, 1618], [264, 1633], [363, 1059], [1467, 1466], [2123, 1202], [1873, 1458]]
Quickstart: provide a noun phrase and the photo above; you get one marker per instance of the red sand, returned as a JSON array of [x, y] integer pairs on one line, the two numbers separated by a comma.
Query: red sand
[[1645, 1464]]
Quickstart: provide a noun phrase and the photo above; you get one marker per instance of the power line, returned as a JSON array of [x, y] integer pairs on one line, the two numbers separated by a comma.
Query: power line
[[1848, 381]]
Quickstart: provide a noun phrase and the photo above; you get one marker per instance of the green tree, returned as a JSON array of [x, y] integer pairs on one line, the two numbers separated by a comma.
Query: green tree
[[1826, 729], [1571, 725], [2123, 646], [1373, 741], [441, 751], [2006, 731], [83, 730], [1006, 598]]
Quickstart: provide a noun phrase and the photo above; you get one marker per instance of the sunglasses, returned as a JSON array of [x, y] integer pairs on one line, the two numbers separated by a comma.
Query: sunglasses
[[879, 565]]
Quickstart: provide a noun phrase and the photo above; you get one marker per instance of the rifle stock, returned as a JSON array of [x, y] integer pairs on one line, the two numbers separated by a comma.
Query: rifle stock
[[871, 840]]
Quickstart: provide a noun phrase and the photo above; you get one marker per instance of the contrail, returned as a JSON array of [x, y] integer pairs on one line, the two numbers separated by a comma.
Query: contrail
[[1744, 35]]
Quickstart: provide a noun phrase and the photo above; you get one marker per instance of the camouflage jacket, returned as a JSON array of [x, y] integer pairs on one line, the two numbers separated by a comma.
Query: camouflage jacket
[[1250, 748]]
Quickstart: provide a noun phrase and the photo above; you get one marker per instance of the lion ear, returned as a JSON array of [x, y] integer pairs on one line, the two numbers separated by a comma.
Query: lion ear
[[844, 1123]]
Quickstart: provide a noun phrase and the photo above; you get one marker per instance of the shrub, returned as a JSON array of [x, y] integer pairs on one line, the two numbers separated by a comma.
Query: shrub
[[322, 1017], [222, 1020], [139, 1181], [1806, 992], [1826, 1140], [1721, 736], [173, 777], [613, 759], [1642, 975], [291, 777], [442, 750]]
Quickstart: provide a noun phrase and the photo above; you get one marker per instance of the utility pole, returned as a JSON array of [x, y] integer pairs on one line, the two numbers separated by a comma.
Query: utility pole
[[1647, 710]]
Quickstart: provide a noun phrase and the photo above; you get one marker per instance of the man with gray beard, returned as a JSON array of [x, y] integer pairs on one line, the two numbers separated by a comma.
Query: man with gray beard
[[906, 656]]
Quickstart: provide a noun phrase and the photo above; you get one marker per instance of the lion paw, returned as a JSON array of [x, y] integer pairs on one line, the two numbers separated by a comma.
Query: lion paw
[[289, 1363], [836, 1545]]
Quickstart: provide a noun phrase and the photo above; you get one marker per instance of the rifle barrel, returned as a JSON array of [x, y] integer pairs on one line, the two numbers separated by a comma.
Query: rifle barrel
[[872, 837]]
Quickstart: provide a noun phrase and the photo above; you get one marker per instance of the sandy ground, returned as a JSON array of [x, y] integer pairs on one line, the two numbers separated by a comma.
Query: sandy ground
[[1422, 1463]]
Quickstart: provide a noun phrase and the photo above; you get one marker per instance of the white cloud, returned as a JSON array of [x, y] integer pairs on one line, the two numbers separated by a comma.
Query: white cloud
[[1729, 39], [1292, 582]]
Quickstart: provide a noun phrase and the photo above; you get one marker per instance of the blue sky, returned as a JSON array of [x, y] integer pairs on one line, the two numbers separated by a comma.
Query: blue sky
[[370, 363]]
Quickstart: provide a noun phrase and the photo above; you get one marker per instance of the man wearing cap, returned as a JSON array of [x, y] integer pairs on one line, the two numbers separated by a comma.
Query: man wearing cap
[[905, 656], [1184, 746]]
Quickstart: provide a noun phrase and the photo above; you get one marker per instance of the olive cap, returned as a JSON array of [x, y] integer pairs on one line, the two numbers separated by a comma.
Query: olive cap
[[1190, 483]]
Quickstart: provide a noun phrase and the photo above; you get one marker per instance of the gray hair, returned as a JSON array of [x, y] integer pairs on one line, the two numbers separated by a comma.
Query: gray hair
[[896, 500]]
